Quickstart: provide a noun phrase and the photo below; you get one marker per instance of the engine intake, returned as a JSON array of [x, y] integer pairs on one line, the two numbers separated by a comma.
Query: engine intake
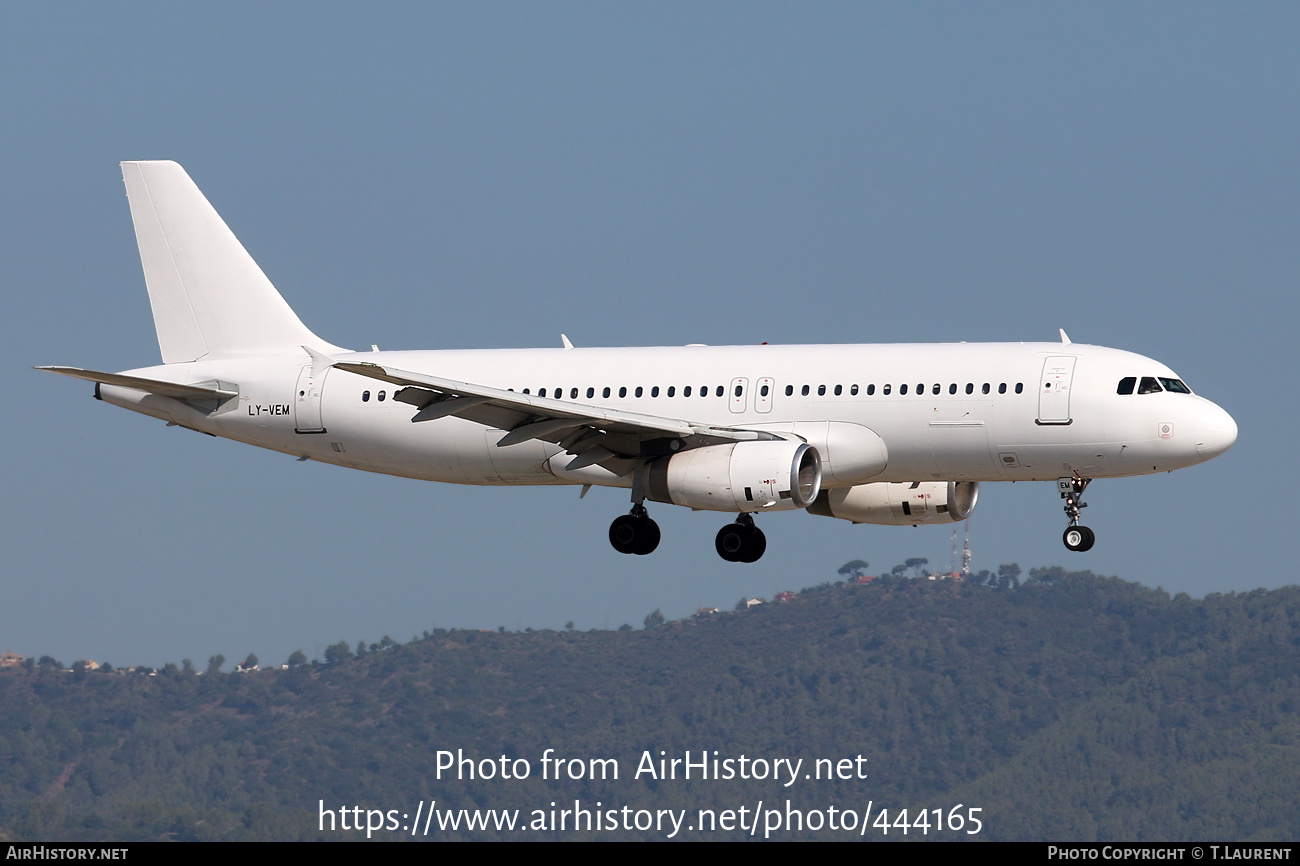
[[743, 476]]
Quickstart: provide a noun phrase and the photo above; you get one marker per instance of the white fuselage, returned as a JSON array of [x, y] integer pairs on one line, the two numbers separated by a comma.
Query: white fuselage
[[980, 412], [893, 434]]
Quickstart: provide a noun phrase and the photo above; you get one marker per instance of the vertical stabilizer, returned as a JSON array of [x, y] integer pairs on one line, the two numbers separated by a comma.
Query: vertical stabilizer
[[209, 298]]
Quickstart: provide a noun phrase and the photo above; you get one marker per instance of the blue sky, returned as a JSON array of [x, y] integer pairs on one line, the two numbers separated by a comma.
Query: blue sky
[[491, 175]]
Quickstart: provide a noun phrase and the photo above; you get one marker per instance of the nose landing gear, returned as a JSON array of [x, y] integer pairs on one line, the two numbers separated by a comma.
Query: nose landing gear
[[635, 532], [741, 541], [1077, 538]]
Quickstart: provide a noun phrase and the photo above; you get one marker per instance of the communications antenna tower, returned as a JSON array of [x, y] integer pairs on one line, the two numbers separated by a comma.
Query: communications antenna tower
[[965, 552]]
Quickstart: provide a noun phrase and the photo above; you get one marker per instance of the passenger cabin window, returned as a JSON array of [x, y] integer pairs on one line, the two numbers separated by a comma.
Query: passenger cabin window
[[672, 390], [639, 391], [854, 390], [686, 392], [1149, 385], [952, 389], [902, 389], [654, 392], [1002, 388], [970, 387], [1126, 385], [605, 392], [839, 389], [622, 392], [985, 389], [936, 388], [365, 396], [573, 393], [789, 390], [885, 391], [871, 390], [381, 396], [1020, 387], [591, 392], [722, 391], [804, 391], [761, 391], [821, 390]]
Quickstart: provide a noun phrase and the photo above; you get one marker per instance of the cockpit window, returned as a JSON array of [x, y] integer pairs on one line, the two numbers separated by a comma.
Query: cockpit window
[[1127, 384], [1175, 385], [1149, 386]]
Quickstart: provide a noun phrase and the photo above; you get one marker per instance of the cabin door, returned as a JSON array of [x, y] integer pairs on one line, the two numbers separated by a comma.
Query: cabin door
[[1054, 390], [306, 401]]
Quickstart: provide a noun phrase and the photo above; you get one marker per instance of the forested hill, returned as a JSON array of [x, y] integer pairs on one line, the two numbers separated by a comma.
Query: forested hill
[[1073, 707]]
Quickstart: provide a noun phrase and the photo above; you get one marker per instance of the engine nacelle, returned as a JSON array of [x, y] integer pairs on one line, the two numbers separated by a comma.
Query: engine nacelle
[[899, 504], [777, 475]]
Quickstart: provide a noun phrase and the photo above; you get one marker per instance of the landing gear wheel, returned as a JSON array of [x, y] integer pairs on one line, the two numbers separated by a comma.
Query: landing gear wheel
[[740, 542], [650, 540], [625, 534], [634, 533], [756, 545], [1079, 538], [730, 542]]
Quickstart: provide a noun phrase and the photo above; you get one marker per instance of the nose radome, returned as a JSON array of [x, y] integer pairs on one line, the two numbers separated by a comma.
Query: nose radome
[[1215, 432]]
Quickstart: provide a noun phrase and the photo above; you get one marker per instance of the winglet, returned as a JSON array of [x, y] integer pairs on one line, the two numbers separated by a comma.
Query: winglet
[[566, 342], [1065, 338]]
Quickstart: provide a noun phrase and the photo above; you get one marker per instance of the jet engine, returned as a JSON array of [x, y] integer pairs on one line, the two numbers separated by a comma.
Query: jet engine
[[899, 504], [779, 475]]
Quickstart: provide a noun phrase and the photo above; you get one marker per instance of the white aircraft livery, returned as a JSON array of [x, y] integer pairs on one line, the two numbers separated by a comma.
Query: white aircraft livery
[[890, 434]]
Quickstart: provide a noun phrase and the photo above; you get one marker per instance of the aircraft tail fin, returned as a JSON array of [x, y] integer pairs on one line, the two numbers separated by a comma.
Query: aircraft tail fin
[[209, 298]]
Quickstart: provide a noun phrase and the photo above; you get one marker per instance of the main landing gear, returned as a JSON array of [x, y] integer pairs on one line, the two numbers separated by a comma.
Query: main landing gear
[[635, 532], [741, 541], [1077, 538]]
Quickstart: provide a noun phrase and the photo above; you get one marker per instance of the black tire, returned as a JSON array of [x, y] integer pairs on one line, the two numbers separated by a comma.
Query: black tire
[[1079, 538], [755, 545], [739, 543], [649, 537], [626, 534], [730, 542]]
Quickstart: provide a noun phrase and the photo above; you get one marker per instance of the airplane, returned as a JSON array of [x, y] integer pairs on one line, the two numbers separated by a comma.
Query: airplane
[[895, 434]]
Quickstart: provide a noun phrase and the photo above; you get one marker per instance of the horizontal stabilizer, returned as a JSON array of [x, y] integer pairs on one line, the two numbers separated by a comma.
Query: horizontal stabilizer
[[189, 393]]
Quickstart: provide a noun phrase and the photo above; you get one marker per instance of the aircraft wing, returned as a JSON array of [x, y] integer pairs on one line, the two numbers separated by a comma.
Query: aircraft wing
[[594, 434]]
